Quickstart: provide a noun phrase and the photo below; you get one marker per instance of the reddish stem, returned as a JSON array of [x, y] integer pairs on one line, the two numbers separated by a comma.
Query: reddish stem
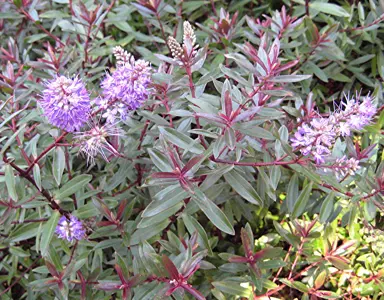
[[42, 154], [259, 164], [364, 26], [41, 27], [45, 193]]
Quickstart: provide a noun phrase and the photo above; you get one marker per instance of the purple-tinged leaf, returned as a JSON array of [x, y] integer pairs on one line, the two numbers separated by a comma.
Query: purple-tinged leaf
[[119, 272], [187, 185], [367, 152], [248, 248], [100, 205], [170, 267], [5, 215], [52, 269], [192, 162], [108, 286], [120, 210], [238, 259], [228, 104], [260, 254], [143, 9], [165, 175], [246, 114], [83, 285], [172, 289], [135, 280], [181, 140], [295, 24], [255, 269], [193, 264], [212, 117], [195, 293], [105, 223], [344, 247], [339, 262], [287, 65]]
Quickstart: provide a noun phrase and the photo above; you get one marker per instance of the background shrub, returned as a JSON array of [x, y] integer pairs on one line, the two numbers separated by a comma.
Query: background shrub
[[169, 149]]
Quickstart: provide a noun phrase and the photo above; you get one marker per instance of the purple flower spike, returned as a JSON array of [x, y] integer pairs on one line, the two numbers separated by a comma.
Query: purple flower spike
[[358, 115], [126, 88], [66, 103], [318, 137], [71, 229], [315, 138]]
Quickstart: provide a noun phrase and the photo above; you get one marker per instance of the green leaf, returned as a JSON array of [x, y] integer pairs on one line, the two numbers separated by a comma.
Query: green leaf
[[302, 201], [192, 225], [214, 176], [242, 61], [154, 118], [290, 78], [160, 160], [181, 140], [107, 244], [293, 240], [292, 192], [6, 120], [327, 207], [73, 186], [37, 175], [10, 182], [232, 288], [312, 33], [48, 231], [329, 8], [24, 232], [338, 262], [271, 264], [230, 139], [380, 64], [360, 9], [12, 138], [58, 164], [296, 285], [146, 233], [156, 207], [214, 214], [365, 79], [362, 59], [18, 251], [255, 131], [164, 215], [243, 187], [275, 176], [234, 75], [307, 172], [317, 71]]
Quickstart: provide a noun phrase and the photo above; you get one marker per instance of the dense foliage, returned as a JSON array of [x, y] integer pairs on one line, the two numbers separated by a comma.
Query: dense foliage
[[170, 149]]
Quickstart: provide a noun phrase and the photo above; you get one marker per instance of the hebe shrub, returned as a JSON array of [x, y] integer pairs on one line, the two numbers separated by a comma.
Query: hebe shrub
[[167, 149]]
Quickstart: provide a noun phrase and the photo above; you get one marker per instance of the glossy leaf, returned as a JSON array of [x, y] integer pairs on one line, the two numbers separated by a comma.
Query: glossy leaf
[[73, 186], [48, 231]]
